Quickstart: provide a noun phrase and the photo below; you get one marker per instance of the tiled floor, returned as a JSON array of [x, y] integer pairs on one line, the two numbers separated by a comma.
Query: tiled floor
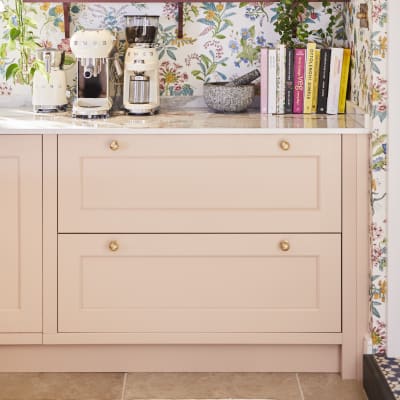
[[118, 386]]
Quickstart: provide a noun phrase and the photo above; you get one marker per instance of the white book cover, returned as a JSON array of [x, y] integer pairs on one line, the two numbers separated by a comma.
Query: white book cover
[[280, 79], [335, 76], [272, 81], [264, 81]]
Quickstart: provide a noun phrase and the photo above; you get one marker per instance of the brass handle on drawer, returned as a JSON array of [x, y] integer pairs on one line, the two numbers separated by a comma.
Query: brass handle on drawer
[[114, 145], [284, 145], [113, 245], [284, 245]]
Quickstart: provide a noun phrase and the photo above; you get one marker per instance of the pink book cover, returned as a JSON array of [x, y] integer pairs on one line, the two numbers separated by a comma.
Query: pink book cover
[[298, 92], [264, 81]]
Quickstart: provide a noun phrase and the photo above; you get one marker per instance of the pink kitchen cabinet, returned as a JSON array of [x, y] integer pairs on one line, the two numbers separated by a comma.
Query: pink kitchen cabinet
[[20, 239]]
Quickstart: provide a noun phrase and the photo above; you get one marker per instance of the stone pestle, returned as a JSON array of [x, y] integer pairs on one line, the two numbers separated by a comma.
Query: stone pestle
[[245, 79]]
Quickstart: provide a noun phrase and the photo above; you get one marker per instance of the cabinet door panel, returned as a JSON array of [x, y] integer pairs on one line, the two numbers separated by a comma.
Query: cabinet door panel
[[194, 183], [20, 233], [199, 283]]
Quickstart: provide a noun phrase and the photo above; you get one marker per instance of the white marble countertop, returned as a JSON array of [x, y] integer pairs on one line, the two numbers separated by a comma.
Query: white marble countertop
[[183, 121]]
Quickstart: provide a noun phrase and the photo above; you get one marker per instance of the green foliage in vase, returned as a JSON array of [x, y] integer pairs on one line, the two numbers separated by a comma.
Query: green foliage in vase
[[292, 25], [19, 37]]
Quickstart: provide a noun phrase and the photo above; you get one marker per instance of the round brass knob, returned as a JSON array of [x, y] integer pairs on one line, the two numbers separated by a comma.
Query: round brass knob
[[114, 145], [284, 245], [284, 145], [113, 245]]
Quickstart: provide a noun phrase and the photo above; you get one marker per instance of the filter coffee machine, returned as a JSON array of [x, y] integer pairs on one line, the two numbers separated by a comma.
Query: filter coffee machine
[[93, 49], [49, 92], [141, 71]]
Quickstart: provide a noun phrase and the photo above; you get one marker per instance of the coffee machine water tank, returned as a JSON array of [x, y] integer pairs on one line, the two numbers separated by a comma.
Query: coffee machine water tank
[[92, 43], [49, 92]]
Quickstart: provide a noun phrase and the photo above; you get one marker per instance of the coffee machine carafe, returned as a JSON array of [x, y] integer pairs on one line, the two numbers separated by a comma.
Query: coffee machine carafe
[[49, 92], [141, 71], [93, 49]]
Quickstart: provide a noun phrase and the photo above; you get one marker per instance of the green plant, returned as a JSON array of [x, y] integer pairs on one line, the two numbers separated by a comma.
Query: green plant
[[292, 23], [19, 37]]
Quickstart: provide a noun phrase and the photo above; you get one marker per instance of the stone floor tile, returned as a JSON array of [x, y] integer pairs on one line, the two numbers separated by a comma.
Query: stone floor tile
[[330, 387], [277, 386], [61, 386]]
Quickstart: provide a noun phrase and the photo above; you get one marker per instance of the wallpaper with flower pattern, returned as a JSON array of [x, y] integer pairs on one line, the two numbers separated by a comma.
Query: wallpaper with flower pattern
[[369, 91], [221, 40]]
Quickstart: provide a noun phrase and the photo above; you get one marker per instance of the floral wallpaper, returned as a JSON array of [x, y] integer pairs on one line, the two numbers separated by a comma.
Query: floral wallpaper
[[369, 91], [221, 40]]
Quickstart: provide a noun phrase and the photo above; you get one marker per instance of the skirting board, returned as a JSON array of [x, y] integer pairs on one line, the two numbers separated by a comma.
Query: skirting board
[[170, 358], [374, 382]]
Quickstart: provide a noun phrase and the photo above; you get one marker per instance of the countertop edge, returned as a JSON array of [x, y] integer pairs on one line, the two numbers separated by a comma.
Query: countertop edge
[[181, 131]]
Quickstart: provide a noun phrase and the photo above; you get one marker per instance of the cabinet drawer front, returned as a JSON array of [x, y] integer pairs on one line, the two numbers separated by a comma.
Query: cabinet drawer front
[[210, 183], [199, 283]]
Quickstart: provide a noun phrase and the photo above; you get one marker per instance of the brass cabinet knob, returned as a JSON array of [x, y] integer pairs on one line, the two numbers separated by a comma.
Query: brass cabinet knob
[[114, 145], [284, 145], [113, 245], [284, 245]]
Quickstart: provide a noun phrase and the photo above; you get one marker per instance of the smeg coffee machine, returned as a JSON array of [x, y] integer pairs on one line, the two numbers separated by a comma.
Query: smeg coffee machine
[[141, 71], [93, 49], [49, 92]]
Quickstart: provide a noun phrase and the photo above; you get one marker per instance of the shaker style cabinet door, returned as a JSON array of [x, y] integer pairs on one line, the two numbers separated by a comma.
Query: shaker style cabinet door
[[199, 183], [196, 283], [20, 233]]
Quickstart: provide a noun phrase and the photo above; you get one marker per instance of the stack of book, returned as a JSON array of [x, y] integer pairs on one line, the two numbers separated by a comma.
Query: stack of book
[[304, 81]]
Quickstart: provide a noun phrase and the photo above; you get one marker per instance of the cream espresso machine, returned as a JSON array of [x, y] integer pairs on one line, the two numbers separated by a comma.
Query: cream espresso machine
[[141, 71], [93, 49], [49, 92]]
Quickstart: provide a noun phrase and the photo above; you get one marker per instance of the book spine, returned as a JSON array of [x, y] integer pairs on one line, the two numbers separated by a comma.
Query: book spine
[[289, 73], [315, 82], [309, 77], [298, 93], [280, 79], [271, 81], [264, 81], [323, 81], [344, 80], [332, 105]]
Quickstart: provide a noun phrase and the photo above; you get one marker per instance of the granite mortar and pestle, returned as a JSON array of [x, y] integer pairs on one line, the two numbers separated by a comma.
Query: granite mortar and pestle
[[233, 96]]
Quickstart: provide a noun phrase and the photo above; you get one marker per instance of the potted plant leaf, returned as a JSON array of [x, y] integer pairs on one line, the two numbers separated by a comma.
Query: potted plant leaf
[[292, 25], [19, 38]]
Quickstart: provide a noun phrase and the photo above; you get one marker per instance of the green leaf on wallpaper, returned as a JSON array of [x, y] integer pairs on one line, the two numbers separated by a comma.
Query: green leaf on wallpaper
[[14, 33], [11, 70], [379, 151], [379, 140], [196, 73], [375, 312], [219, 36], [212, 69], [228, 22], [171, 54], [241, 5], [205, 60], [375, 68]]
